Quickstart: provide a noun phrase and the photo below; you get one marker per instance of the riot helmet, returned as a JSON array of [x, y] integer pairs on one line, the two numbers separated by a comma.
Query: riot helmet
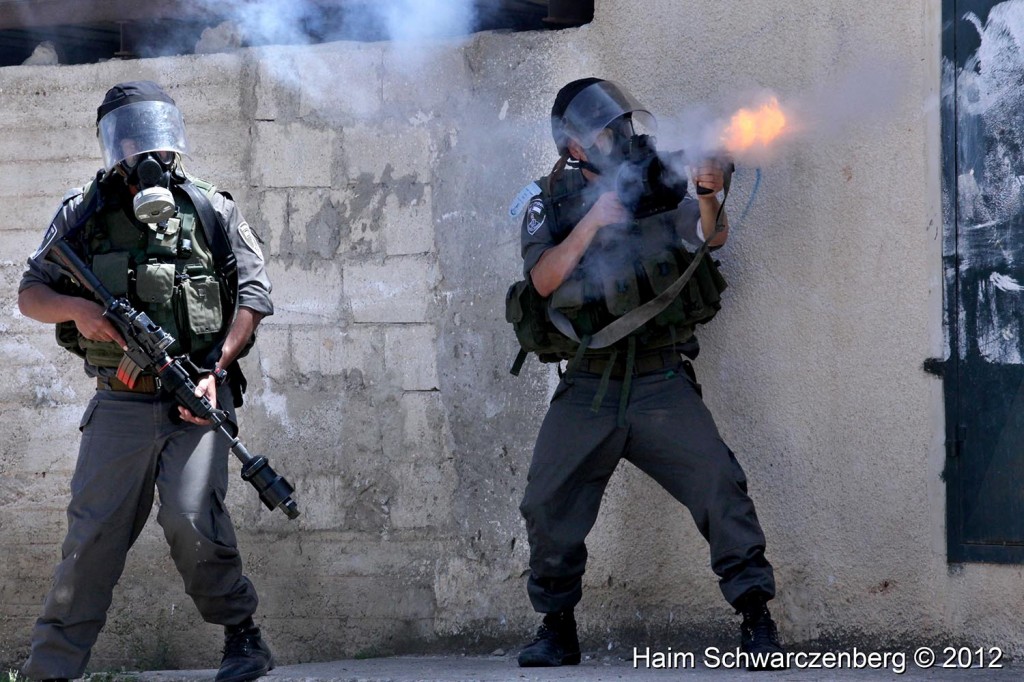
[[616, 133], [135, 118], [141, 133], [586, 107]]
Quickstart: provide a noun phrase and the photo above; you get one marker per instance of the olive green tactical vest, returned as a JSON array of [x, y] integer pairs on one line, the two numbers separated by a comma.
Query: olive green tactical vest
[[166, 270], [620, 271]]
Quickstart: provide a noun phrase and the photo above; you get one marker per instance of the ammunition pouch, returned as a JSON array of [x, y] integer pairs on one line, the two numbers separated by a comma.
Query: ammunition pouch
[[96, 353], [203, 307], [698, 302], [526, 311], [67, 338]]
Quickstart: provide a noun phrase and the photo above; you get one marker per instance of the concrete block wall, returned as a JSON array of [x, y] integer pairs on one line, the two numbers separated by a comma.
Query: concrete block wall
[[379, 181]]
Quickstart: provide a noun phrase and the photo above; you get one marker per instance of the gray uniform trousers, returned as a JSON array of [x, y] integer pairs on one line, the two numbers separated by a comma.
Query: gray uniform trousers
[[129, 446], [671, 436]]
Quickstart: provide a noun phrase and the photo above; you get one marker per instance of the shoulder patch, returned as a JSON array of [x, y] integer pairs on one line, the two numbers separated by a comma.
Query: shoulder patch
[[250, 239], [535, 215], [525, 194]]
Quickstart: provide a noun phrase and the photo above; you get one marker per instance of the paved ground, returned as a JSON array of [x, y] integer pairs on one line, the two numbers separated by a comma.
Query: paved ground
[[503, 669]]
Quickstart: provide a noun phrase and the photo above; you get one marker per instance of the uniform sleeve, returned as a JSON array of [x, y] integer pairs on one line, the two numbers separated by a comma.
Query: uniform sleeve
[[687, 222], [253, 283], [536, 234], [38, 270]]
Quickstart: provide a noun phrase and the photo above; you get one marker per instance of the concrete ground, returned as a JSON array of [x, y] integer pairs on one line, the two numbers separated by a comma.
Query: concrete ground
[[504, 669]]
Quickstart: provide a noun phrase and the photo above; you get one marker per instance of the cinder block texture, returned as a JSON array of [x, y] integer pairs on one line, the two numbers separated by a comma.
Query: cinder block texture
[[380, 180]]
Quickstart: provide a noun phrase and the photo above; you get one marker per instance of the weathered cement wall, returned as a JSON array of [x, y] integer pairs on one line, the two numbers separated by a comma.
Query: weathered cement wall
[[379, 180]]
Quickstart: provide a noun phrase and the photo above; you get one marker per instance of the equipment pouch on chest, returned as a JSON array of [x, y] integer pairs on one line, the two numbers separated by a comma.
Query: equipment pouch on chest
[[112, 270], [163, 238], [621, 293], [575, 298], [525, 311], [154, 283], [204, 308], [569, 296], [100, 353], [662, 271], [67, 338], [699, 300]]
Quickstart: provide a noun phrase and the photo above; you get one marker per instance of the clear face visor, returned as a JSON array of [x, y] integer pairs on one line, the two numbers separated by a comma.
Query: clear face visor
[[597, 105], [141, 127]]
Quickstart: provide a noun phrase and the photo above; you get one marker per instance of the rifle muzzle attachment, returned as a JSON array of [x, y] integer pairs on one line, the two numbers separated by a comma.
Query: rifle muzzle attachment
[[274, 490]]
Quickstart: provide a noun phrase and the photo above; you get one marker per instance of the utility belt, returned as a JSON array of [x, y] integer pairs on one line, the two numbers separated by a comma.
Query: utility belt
[[148, 384], [647, 363]]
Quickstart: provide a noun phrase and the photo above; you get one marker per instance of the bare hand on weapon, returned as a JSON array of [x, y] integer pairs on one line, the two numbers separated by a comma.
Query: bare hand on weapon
[[608, 210], [710, 176], [88, 317], [207, 386]]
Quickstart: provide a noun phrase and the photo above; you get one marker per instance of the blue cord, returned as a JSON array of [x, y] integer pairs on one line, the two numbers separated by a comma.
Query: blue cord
[[753, 195]]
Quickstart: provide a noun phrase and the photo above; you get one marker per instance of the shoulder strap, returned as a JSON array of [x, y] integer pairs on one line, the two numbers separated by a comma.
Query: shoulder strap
[[216, 236], [92, 200]]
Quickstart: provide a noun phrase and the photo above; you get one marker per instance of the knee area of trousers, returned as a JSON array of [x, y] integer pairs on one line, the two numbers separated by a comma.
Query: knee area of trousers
[[182, 529], [534, 513], [725, 477]]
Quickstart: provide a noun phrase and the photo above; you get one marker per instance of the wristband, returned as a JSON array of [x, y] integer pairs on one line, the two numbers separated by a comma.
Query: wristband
[[220, 376]]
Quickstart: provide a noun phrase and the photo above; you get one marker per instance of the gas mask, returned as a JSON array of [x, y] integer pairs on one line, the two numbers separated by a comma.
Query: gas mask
[[610, 149], [144, 139], [615, 131], [151, 173]]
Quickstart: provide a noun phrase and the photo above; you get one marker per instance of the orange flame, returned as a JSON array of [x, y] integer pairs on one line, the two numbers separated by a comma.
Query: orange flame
[[750, 127]]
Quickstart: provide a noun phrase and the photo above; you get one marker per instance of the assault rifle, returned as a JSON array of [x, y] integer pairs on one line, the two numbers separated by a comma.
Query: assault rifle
[[147, 348]]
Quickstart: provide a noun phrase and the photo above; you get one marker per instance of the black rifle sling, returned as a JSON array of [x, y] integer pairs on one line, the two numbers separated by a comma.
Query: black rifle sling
[[217, 238]]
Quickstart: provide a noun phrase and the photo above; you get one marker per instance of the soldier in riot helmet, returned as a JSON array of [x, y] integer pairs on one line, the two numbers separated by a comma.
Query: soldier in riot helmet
[[181, 252], [592, 257]]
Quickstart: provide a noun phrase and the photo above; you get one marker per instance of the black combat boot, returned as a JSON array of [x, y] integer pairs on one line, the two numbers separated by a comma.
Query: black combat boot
[[759, 637], [246, 655], [556, 643]]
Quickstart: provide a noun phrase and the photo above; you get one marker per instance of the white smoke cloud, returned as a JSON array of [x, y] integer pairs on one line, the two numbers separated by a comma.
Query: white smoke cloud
[[411, 29], [264, 22], [414, 20], [863, 94]]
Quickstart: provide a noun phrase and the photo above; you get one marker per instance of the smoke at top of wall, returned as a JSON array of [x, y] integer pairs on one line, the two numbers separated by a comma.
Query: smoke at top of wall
[[83, 33]]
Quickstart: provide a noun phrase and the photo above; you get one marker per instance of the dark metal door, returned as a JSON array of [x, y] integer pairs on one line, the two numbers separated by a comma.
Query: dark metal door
[[983, 204]]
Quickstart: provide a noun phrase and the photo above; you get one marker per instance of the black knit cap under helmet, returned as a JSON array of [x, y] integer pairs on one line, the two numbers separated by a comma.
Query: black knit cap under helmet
[[562, 100], [132, 91]]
